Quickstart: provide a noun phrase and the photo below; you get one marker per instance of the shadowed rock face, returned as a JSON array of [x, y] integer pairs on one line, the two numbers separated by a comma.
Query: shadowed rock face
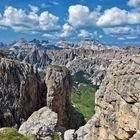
[[59, 84], [33, 57], [117, 104], [38, 59], [21, 92]]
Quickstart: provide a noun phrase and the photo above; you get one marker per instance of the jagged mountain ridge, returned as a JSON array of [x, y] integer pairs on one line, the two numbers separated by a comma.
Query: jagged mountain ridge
[[93, 44], [90, 51], [45, 44]]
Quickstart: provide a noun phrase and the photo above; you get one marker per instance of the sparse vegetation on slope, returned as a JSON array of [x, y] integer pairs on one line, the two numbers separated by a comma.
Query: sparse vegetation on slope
[[81, 77], [55, 136], [11, 134]]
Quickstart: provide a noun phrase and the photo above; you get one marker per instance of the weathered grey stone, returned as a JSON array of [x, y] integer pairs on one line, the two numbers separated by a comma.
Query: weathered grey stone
[[40, 125], [69, 134]]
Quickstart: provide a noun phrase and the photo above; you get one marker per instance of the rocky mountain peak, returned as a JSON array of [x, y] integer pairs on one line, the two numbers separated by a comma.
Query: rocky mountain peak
[[93, 44], [35, 41], [59, 84], [33, 57]]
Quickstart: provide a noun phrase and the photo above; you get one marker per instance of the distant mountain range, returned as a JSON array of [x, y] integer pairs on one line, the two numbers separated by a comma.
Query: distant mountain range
[[25, 45]]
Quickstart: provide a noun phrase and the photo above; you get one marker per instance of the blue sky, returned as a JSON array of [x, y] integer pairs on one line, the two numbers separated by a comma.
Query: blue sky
[[115, 22]]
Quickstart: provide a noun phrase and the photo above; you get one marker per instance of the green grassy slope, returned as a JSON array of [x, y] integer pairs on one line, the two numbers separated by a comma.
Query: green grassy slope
[[85, 100], [83, 95], [11, 134]]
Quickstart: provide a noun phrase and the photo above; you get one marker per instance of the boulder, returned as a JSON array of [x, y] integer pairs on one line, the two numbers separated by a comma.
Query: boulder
[[40, 125], [69, 134]]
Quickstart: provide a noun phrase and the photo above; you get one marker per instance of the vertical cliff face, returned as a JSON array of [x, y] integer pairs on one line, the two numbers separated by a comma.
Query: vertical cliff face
[[117, 104], [21, 92], [118, 101], [59, 84]]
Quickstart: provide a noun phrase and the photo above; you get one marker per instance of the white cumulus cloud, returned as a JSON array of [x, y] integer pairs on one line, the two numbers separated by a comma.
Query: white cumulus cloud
[[134, 3], [48, 21], [117, 30], [67, 30], [121, 38], [122, 30], [131, 37], [80, 16], [50, 36], [116, 16], [20, 20], [127, 38]]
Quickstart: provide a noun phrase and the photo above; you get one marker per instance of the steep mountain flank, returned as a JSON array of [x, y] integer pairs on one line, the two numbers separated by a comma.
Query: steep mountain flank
[[59, 84], [95, 69], [118, 101], [38, 59], [21, 92], [117, 104]]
